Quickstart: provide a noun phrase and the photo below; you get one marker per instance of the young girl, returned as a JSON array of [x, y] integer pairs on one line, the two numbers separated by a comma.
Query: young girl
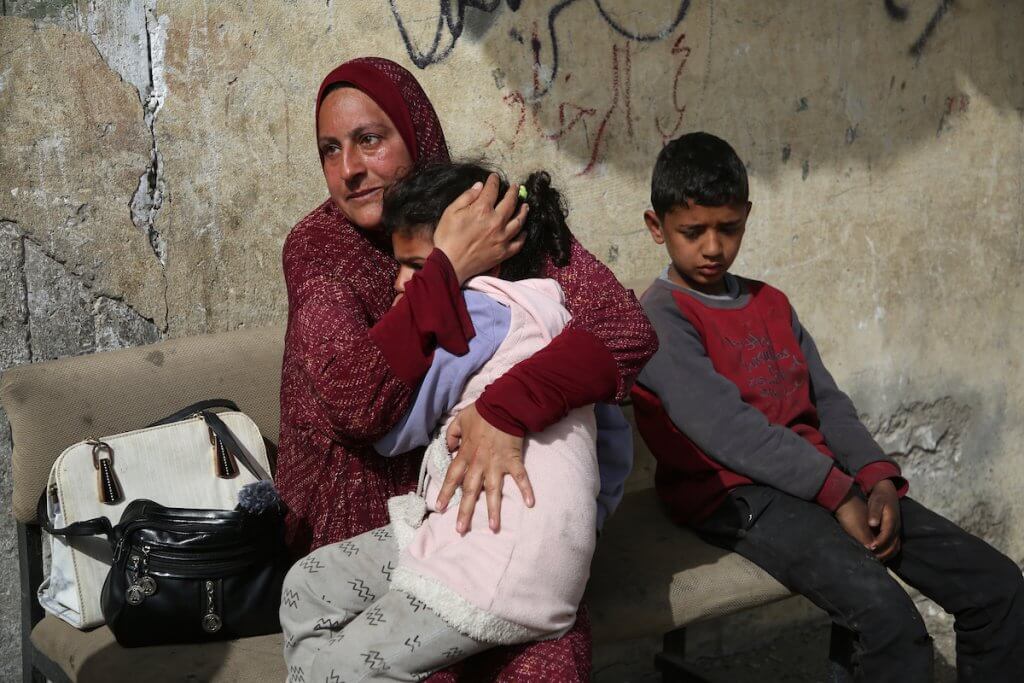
[[414, 596]]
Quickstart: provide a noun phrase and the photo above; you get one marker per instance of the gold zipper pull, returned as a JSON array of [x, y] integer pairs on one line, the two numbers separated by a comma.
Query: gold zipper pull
[[109, 488], [223, 463]]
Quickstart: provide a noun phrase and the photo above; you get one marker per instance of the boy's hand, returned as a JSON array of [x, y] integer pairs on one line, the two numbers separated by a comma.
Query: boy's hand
[[884, 520], [485, 455], [475, 234], [852, 515]]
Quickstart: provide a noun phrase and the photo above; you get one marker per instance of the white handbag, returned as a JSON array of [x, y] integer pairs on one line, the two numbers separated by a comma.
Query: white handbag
[[178, 462]]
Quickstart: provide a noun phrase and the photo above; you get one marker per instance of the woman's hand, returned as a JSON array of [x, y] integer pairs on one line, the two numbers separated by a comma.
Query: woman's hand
[[475, 234], [485, 455]]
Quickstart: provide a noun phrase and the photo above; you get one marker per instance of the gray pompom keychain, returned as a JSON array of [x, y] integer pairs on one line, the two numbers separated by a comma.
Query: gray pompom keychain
[[258, 497]]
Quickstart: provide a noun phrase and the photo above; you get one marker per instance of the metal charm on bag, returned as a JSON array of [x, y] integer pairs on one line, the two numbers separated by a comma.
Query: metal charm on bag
[[211, 620], [134, 594], [142, 585]]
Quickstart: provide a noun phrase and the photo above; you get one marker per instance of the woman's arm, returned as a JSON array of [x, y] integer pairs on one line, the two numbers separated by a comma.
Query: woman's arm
[[446, 379], [596, 358], [360, 371], [362, 374]]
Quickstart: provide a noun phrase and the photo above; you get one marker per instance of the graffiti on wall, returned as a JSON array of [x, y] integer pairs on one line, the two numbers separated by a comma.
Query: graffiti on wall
[[531, 103], [451, 20], [541, 110], [898, 12], [451, 23]]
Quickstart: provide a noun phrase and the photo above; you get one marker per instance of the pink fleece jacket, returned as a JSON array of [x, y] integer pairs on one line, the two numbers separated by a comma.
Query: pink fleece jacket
[[524, 582]]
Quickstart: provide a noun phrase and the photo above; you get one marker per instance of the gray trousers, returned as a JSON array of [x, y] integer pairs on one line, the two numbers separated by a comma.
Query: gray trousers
[[801, 544], [343, 623]]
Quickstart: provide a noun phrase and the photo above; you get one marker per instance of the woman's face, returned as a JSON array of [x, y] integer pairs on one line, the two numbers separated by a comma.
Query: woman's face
[[363, 154]]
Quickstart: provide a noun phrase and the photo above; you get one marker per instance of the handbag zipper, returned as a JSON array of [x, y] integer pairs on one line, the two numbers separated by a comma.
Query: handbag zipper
[[209, 554], [123, 541], [186, 566]]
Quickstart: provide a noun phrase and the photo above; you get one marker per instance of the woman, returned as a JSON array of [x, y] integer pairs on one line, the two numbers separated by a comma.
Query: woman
[[351, 359]]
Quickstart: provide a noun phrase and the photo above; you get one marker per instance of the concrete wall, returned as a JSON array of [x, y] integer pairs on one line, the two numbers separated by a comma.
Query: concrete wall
[[154, 155]]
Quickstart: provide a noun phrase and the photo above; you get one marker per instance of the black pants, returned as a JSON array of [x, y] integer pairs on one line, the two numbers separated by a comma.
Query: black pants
[[802, 545]]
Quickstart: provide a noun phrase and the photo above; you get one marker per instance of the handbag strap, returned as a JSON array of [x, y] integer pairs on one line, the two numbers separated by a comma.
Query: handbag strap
[[101, 525], [214, 422], [195, 409], [87, 527], [202, 408]]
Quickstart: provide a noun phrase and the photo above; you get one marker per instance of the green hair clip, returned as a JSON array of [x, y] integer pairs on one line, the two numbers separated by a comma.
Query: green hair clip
[[522, 192]]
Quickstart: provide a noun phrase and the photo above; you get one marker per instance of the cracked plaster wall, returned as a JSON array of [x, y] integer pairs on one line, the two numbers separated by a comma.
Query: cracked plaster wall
[[154, 155]]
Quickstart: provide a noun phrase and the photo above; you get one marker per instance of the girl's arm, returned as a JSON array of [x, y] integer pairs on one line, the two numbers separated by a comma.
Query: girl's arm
[[614, 458], [446, 379]]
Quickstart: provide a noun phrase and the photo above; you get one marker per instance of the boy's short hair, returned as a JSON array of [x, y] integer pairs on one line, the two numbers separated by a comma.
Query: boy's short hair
[[698, 168]]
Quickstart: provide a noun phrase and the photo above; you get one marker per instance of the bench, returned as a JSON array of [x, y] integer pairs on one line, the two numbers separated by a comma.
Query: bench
[[649, 576]]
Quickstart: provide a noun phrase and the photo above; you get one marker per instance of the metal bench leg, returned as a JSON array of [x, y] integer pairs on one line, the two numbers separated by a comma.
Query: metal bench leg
[[671, 660], [30, 559], [840, 654]]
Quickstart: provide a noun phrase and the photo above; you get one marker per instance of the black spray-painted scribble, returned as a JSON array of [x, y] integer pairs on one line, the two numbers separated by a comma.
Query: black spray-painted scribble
[[899, 13], [644, 37], [895, 11], [452, 15], [665, 32]]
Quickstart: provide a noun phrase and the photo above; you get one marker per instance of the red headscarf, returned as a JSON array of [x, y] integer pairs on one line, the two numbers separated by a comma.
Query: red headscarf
[[397, 92]]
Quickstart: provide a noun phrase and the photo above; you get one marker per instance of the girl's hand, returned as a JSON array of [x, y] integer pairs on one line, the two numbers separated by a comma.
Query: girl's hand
[[485, 455], [475, 234]]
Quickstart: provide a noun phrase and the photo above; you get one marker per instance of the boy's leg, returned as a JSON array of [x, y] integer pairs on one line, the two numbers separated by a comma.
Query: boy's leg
[[976, 583], [397, 638], [801, 544], [327, 589]]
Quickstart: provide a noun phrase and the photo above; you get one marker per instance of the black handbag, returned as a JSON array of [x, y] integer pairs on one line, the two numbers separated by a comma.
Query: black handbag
[[190, 576], [183, 575]]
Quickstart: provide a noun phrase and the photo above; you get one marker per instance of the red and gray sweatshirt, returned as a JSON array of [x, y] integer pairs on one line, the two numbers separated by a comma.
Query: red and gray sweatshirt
[[737, 394]]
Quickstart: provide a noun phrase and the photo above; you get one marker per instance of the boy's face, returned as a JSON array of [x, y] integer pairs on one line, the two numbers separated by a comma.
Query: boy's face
[[702, 242], [411, 247]]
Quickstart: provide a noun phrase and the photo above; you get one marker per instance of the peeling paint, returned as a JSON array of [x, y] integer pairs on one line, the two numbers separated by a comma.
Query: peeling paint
[[925, 437], [15, 340], [67, 318], [150, 194]]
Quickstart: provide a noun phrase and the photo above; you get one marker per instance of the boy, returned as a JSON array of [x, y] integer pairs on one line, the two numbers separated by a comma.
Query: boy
[[762, 454]]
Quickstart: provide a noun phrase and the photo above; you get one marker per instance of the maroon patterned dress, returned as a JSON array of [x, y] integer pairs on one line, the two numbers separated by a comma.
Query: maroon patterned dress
[[351, 362]]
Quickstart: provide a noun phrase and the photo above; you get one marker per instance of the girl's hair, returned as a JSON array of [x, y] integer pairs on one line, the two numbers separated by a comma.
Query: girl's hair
[[417, 201]]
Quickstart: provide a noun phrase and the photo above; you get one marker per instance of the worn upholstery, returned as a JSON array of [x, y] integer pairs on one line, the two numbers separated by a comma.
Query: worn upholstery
[[55, 404], [94, 657], [649, 576]]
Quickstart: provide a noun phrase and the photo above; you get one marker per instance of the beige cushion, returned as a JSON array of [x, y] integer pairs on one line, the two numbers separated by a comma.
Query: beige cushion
[[94, 657], [650, 576], [58, 403]]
